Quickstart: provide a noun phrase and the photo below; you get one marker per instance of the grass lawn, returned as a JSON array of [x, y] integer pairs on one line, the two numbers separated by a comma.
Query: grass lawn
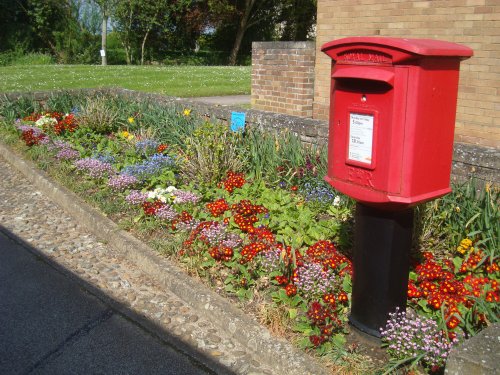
[[181, 81]]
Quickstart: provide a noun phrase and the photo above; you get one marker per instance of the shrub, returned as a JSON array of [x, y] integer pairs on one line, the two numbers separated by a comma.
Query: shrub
[[33, 58], [211, 152], [98, 115]]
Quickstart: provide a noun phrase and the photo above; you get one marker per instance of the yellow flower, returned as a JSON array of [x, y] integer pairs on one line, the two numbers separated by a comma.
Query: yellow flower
[[131, 120], [186, 112], [461, 250], [466, 243], [125, 134], [457, 209]]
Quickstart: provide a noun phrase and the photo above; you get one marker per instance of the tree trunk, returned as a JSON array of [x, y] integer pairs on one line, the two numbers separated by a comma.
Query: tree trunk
[[241, 31], [143, 45], [104, 34]]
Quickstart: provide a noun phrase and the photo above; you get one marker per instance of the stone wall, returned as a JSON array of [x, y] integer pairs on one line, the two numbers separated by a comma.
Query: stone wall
[[474, 23], [480, 162], [283, 77]]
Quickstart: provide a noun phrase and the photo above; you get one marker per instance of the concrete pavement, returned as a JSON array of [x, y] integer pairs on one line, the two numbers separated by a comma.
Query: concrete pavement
[[231, 100], [51, 325]]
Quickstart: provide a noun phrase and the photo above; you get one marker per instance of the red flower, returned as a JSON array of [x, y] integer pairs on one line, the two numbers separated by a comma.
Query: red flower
[[291, 290]]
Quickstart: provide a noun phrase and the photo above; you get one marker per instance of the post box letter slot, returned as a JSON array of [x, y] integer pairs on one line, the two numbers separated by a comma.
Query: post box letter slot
[[366, 73]]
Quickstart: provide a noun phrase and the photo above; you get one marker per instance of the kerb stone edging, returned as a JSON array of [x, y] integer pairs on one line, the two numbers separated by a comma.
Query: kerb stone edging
[[274, 352]]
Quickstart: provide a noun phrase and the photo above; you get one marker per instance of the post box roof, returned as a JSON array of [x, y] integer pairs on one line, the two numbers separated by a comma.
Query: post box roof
[[403, 49]]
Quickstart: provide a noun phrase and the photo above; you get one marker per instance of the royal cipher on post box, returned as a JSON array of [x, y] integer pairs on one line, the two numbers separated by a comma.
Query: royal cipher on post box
[[392, 118]]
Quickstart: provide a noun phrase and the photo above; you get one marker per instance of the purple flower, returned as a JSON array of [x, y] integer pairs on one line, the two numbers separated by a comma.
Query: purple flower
[[416, 338], [166, 212], [312, 279], [183, 196], [67, 154], [147, 146], [36, 130], [270, 260], [154, 166], [94, 168], [136, 197], [122, 182]]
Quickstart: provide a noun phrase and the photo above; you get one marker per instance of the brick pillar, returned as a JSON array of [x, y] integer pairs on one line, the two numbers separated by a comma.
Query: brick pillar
[[283, 77]]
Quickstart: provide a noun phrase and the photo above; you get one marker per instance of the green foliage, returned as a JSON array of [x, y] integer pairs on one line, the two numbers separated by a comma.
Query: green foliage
[[294, 223], [24, 106], [267, 151], [466, 212], [211, 152], [98, 115]]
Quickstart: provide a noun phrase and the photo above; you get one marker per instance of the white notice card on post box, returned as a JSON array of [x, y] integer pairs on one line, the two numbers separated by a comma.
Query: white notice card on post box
[[360, 138]]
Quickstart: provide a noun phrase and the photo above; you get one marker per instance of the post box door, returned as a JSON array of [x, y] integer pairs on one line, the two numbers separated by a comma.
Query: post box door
[[367, 134]]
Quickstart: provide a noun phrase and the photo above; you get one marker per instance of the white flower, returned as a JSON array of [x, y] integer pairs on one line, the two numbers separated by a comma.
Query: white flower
[[45, 120], [170, 189], [336, 201]]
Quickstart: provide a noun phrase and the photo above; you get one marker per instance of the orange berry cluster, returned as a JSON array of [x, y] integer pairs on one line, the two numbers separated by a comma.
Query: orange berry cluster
[[251, 250], [218, 207], [233, 180], [161, 147], [223, 253]]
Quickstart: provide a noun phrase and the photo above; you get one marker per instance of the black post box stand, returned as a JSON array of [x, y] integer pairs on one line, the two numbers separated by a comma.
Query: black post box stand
[[382, 243]]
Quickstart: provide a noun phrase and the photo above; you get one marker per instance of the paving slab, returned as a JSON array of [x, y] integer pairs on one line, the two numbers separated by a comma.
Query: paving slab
[[229, 100]]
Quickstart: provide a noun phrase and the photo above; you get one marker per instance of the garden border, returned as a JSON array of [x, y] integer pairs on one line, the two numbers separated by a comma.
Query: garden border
[[274, 352], [480, 162]]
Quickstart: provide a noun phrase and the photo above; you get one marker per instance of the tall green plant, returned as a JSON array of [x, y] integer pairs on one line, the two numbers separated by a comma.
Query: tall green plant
[[210, 153], [467, 212]]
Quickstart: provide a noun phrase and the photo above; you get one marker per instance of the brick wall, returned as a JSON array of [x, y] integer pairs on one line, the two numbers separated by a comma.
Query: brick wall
[[283, 77], [474, 23]]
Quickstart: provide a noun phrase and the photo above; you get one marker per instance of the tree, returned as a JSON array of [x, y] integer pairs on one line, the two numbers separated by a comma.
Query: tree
[[298, 18], [245, 14], [106, 7]]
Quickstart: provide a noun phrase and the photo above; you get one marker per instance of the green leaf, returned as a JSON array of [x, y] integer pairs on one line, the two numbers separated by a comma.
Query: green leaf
[[347, 284], [292, 313]]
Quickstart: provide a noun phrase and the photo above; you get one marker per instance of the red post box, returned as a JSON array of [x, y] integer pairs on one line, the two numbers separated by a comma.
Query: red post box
[[392, 118]]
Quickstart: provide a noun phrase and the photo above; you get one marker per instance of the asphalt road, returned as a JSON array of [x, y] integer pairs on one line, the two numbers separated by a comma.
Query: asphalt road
[[49, 324]]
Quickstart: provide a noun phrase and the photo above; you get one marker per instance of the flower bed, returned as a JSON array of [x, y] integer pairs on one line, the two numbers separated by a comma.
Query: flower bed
[[250, 214]]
